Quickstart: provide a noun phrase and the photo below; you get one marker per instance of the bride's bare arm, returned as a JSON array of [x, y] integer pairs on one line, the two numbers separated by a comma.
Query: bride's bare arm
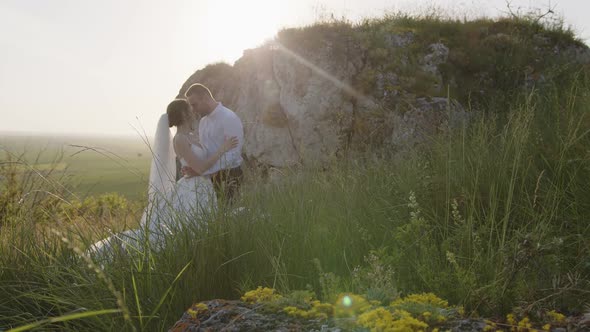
[[200, 166]]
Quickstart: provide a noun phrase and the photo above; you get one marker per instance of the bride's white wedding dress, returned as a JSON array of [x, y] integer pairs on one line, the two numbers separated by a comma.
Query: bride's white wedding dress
[[189, 202], [171, 206]]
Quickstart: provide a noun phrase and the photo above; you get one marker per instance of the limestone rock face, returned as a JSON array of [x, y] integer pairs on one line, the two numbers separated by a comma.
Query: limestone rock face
[[295, 107], [427, 118]]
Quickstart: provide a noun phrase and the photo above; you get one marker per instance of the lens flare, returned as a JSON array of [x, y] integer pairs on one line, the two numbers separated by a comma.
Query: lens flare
[[346, 301], [340, 84]]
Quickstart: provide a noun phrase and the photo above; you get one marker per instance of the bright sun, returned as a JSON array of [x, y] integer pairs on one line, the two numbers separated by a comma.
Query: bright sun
[[233, 26]]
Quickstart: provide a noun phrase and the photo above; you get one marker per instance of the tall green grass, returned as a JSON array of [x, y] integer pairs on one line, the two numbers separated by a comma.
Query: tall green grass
[[493, 217]]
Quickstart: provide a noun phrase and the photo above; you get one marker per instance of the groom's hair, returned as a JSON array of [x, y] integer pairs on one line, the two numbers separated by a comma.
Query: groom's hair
[[199, 90]]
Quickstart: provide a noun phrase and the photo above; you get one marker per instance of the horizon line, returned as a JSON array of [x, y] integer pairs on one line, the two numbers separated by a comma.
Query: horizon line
[[68, 134]]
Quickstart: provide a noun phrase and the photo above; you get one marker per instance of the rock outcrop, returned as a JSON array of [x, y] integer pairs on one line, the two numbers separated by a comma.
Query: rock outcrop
[[312, 94], [222, 315], [235, 315]]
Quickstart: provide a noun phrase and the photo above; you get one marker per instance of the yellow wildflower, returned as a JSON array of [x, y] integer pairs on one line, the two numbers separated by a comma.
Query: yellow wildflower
[[201, 306], [381, 319], [375, 303], [197, 309], [377, 319], [424, 298], [318, 310], [524, 324], [322, 308], [350, 305], [490, 326], [547, 327], [261, 294], [510, 319], [193, 313], [296, 312], [556, 316]]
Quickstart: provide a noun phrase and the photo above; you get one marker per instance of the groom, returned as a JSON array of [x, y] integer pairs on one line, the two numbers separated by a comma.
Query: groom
[[217, 122]]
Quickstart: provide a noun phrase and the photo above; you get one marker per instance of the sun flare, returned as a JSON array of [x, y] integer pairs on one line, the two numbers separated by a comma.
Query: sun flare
[[233, 26]]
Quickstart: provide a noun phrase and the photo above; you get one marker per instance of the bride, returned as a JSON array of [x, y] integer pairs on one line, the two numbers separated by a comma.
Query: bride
[[171, 205]]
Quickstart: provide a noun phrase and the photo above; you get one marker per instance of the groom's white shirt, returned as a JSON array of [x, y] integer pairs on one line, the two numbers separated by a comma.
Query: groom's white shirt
[[213, 129]]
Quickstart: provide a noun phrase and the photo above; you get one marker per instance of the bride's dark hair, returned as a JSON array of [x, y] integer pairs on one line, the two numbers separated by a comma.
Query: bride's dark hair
[[178, 112]]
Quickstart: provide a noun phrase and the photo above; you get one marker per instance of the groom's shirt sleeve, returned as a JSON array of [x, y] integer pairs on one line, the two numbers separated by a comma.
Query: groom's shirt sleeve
[[233, 127]]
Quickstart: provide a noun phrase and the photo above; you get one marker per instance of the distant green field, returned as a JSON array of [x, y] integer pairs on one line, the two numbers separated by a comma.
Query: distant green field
[[90, 165]]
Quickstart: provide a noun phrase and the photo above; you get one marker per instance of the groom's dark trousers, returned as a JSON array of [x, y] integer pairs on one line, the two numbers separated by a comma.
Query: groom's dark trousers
[[227, 183]]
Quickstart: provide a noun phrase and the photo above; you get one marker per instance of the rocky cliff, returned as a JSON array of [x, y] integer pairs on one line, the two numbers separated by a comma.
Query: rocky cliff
[[314, 93]]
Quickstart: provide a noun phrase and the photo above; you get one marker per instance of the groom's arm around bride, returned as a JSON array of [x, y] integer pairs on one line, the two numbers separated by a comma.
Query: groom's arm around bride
[[218, 122]]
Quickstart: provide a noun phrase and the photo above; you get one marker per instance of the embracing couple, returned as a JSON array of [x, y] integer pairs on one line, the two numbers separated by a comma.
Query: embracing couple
[[216, 152], [210, 164]]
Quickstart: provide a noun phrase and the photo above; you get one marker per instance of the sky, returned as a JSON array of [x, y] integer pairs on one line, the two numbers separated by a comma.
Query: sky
[[111, 67]]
